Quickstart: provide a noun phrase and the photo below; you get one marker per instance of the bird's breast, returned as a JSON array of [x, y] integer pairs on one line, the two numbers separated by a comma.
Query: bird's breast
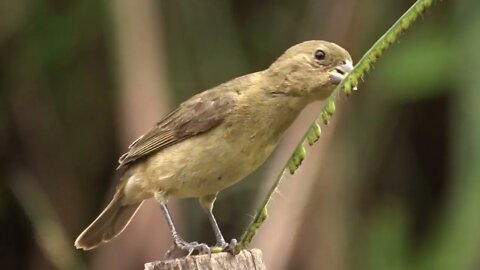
[[212, 161]]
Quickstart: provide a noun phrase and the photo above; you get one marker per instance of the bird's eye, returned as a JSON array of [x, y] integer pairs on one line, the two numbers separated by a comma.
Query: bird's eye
[[320, 54]]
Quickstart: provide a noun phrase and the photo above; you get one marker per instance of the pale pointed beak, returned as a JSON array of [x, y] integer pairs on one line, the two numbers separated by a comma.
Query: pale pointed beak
[[340, 72]]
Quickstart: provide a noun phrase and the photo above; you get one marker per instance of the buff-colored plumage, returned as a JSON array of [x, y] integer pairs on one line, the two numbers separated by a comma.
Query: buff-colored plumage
[[219, 136]]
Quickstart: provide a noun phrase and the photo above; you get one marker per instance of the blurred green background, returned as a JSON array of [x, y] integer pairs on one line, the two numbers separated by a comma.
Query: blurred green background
[[393, 183]]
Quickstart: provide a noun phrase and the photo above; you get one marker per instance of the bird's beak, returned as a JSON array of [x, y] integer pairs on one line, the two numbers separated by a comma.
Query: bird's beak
[[340, 72]]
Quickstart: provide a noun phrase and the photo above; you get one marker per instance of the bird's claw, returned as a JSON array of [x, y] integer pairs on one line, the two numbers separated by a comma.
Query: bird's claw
[[228, 247], [221, 245], [232, 247], [189, 247], [195, 246]]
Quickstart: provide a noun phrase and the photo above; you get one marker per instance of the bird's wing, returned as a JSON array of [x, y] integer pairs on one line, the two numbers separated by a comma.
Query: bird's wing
[[197, 115]]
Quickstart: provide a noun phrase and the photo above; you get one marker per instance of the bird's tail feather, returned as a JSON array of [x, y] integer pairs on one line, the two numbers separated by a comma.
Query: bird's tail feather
[[110, 223]]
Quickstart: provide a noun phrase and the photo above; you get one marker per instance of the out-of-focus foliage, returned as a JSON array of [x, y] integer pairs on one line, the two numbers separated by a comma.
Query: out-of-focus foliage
[[398, 183]]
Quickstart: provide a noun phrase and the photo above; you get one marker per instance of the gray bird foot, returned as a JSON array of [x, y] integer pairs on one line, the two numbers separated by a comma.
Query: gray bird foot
[[189, 247], [228, 247]]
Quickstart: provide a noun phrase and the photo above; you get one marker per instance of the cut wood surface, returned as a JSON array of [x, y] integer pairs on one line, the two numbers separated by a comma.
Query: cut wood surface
[[245, 260]]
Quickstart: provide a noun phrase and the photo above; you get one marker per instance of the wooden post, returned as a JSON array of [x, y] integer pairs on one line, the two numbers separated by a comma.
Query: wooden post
[[245, 260]]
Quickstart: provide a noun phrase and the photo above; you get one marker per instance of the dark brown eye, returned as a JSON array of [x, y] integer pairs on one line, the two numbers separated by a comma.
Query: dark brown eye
[[320, 54]]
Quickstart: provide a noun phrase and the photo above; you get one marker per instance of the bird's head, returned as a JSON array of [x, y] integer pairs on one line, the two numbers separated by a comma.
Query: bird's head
[[311, 69]]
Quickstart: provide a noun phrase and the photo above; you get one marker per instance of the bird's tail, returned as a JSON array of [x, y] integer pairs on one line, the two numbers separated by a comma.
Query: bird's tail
[[110, 223]]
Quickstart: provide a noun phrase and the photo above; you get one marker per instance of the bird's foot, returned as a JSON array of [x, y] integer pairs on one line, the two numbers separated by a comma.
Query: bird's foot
[[224, 246], [189, 247], [232, 247]]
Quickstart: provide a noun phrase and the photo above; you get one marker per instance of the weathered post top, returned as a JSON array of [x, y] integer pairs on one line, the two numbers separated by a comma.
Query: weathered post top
[[245, 260]]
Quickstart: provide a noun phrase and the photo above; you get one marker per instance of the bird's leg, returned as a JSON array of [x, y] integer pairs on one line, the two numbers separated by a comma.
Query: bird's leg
[[207, 204], [178, 242]]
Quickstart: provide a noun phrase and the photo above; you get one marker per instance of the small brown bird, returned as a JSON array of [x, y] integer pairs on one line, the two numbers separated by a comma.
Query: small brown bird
[[216, 138]]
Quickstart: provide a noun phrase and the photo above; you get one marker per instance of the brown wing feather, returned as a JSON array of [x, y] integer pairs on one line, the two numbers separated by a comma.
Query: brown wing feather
[[195, 116]]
